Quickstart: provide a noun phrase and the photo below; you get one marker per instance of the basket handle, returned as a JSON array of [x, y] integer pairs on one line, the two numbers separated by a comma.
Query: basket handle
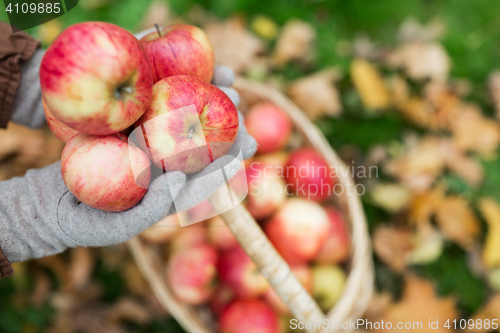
[[270, 263]]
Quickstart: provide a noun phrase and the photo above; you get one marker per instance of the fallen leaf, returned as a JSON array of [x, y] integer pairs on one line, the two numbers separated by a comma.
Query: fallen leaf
[[424, 205], [463, 166], [457, 221], [158, 12], [130, 310], [81, 267], [422, 60], [264, 27], [369, 84], [488, 312], [413, 30], [429, 245], [47, 32], [295, 42], [316, 94], [393, 246], [234, 46], [391, 197], [378, 306], [494, 87], [472, 131], [491, 211], [420, 303], [418, 111], [419, 166]]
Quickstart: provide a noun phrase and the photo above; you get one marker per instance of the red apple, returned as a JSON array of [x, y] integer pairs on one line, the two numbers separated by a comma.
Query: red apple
[[219, 234], [98, 170], [163, 230], [298, 230], [269, 125], [220, 300], [61, 131], [253, 316], [240, 273], [266, 189], [188, 125], [304, 274], [189, 236], [96, 78], [179, 49], [308, 175], [335, 250], [191, 274]]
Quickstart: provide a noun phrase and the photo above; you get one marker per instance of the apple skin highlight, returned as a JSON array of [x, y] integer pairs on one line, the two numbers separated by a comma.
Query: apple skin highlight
[[96, 78]]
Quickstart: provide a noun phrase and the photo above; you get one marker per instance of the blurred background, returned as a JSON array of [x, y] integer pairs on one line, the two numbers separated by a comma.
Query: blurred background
[[412, 87]]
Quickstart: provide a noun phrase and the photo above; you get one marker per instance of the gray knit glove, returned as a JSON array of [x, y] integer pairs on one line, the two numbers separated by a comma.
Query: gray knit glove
[[40, 217]]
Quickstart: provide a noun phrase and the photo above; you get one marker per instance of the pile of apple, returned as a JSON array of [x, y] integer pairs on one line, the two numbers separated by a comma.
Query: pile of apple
[[99, 83], [206, 265]]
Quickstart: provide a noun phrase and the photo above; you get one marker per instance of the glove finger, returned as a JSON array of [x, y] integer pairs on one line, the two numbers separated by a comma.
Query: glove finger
[[223, 76], [93, 227], [232, 94]]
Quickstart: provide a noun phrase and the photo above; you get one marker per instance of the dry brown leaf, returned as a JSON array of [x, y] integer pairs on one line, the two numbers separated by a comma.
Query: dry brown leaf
[[459, 163], [369, 84], [491, 211], [445, 104], [417, 111], [234, 46], [130, 310], [399, 90], [316, 94], [490, 311], [422, 60], [393, 246], [494, 87], [457, 221], [81, 267], [424, 205], [419, 304], [420, 165], [295, 42], [157, 12], [472, 131]]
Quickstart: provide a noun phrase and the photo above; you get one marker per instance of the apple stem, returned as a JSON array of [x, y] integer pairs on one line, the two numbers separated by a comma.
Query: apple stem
[[158, 29], [190, 134]]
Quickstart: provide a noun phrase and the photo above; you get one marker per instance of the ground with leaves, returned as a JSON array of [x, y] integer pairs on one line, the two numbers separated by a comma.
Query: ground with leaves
[[410, 87]]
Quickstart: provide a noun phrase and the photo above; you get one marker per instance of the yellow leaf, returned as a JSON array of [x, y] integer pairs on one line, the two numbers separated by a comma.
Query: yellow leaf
[[457, 221], [265, 27], [491, 211], [369, 83]]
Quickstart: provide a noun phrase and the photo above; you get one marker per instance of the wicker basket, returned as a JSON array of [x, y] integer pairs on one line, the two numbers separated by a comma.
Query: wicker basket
[[358, 288]]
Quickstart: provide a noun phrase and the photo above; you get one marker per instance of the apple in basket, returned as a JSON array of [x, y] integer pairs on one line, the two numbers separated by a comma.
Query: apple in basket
[[191, 273], [239, 272], [179, 49], [96, 78], [269, 125], [251, 316], [335, 250], [188, 124], [298, 230], [308, 175], [98, 171]]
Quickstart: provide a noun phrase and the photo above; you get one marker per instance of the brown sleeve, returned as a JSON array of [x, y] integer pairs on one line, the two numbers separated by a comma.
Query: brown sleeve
[[5, 267], [14, 47]]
